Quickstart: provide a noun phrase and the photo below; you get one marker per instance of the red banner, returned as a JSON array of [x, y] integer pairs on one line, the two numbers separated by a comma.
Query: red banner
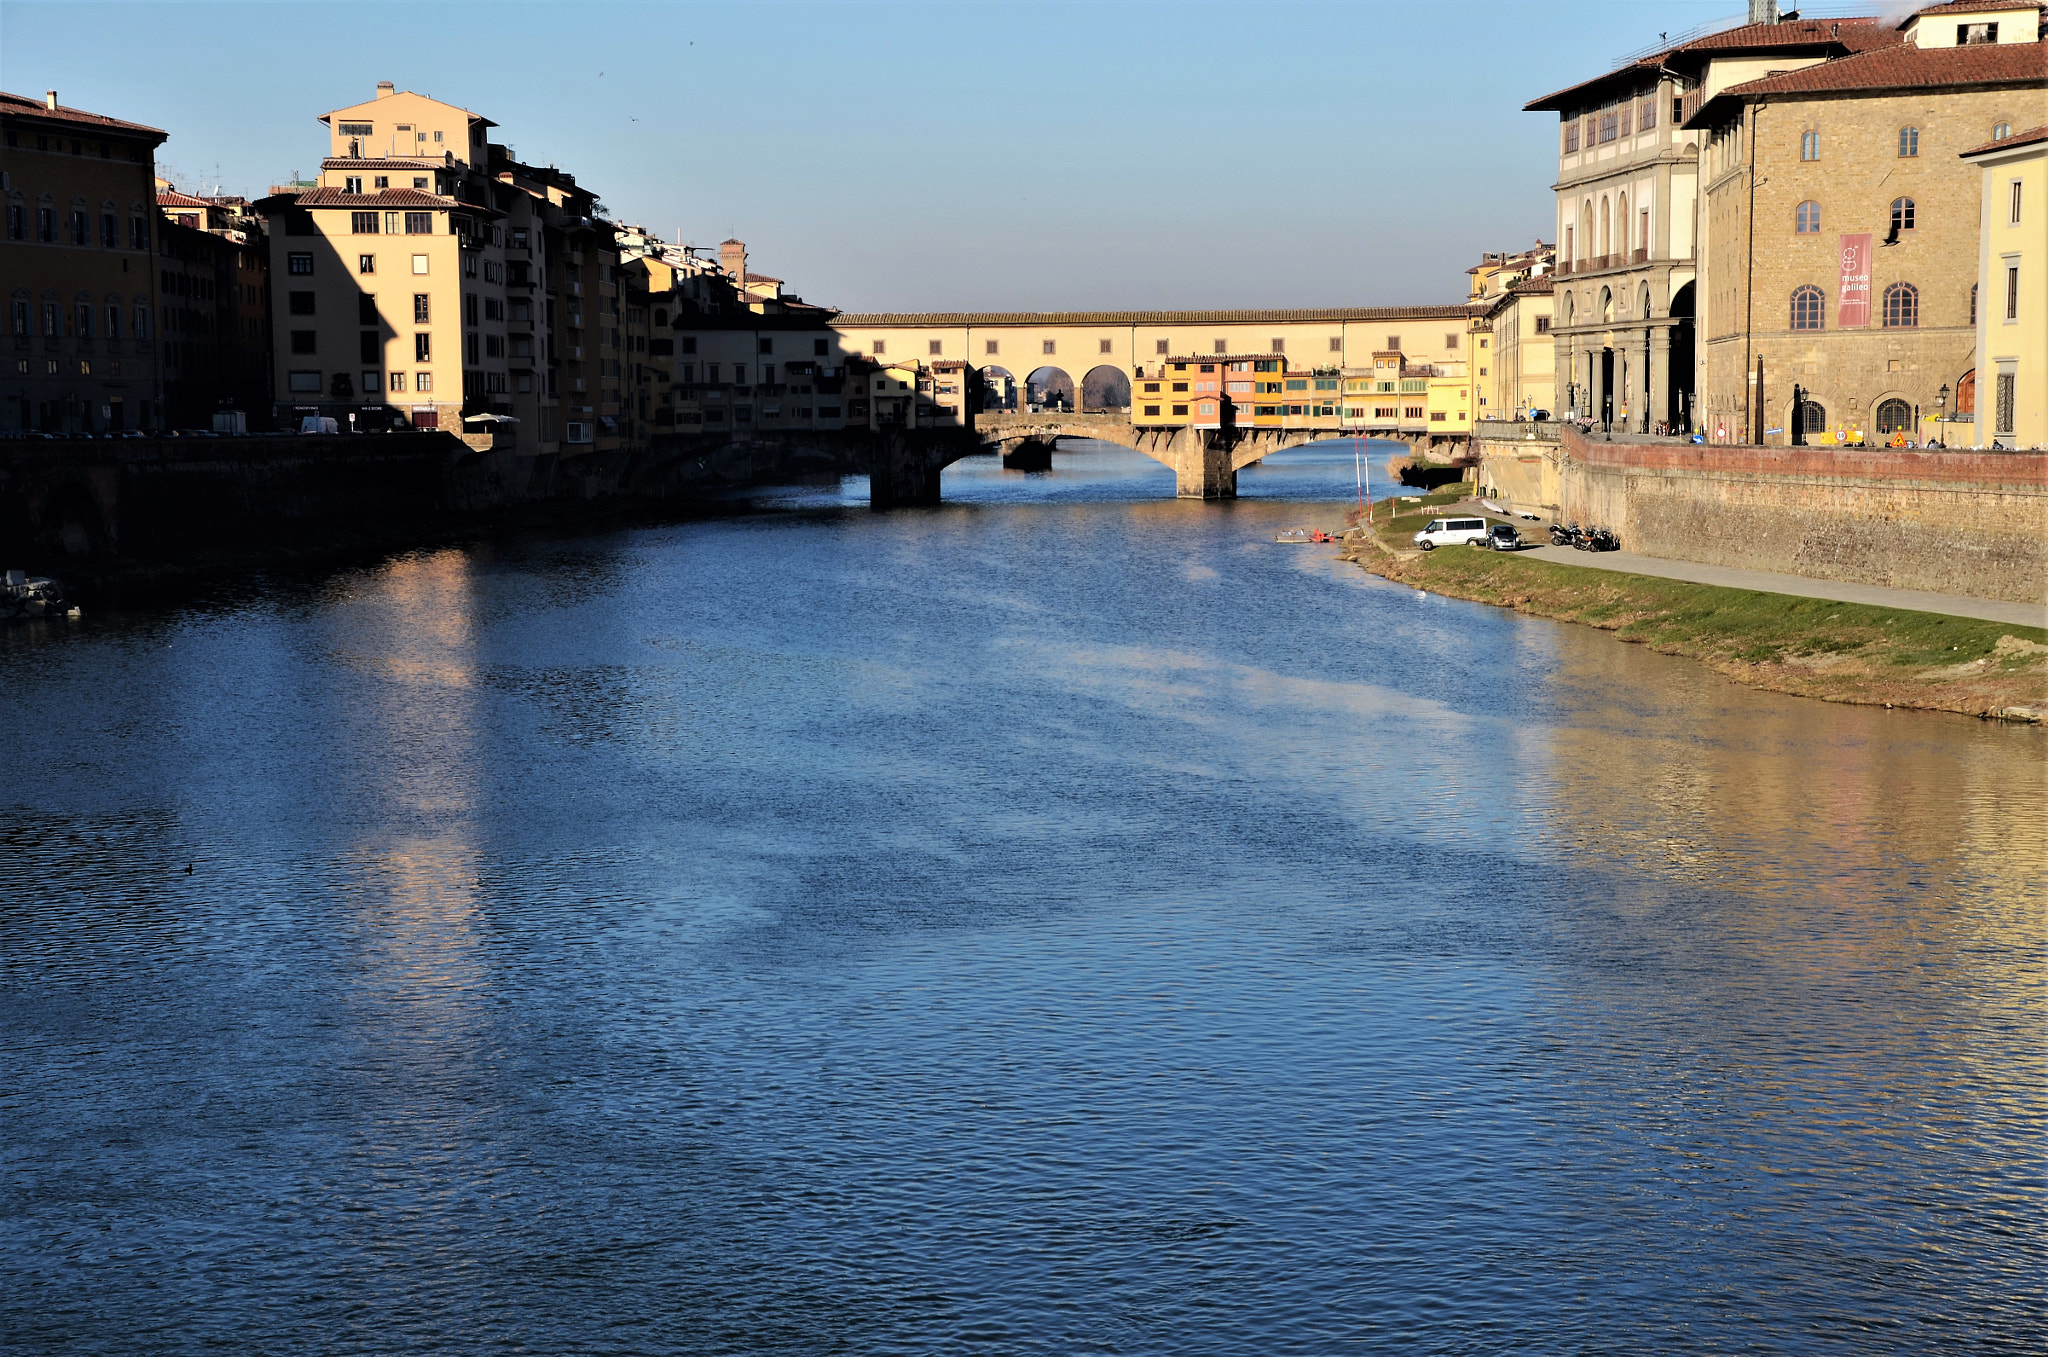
[[1854, 311]]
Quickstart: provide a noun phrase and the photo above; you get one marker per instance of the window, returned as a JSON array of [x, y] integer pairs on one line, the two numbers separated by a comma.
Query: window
[[299, 303], [81, 229], [419, 223], [85, 320], [113, 322], [2003, 402], [419, 181], [300, 264], [304, 381], [2012, 216], [355, 129], [366, 308], [765, 346], [2012, 291], [1809, 146], [1571, 137], [1901, 306], [1158, 346], [1278, 346], [1894, 416], [420, 306], [1909, 142], [935, 347], [1046, 346], [422, 348], [305, 341], [1542, 325], [1151, 409], [1223, 346], [1438, 416], [142, 330], [381, 181], [1973, 303], [1646, 112], [1976, 35], [1809, 308], [110, 231], [881, 346], [1807, 220], [362, 223], [1610, 127], [1902, 215], [1393, 343], [352, 184], [1451, 343], [1180, 409], [2001, 131], [398, 381], [369, 349], [690, 344], [365, 263], [17, 221]]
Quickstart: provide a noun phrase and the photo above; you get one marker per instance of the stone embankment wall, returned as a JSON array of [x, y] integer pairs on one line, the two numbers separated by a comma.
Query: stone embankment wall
[[1520, 461], [1971, 523], [81, 508]]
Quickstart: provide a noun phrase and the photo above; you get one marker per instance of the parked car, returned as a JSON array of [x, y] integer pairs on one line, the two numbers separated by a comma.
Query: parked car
[[1502, 537], [1448, 532]]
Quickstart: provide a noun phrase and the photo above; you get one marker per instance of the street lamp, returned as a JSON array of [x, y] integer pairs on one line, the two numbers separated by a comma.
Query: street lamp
[[1941, 417]]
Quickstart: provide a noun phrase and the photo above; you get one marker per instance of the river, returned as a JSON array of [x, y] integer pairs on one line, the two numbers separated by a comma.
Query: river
[[1061, 921]]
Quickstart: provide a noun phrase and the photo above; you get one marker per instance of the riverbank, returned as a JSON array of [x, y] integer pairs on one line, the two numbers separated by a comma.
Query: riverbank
[[1839, 652]]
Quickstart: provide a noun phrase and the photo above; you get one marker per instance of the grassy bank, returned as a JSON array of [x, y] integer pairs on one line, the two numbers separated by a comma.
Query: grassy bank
[[1843, 652]]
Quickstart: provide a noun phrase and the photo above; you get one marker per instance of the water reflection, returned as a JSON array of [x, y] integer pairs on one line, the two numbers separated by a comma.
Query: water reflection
[[1061, 920]]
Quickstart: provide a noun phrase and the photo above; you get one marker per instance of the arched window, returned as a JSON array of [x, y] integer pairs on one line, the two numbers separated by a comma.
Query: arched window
[[1909, 142], [1894, 416], [1901, 306], [1813, 417], [1809, 146], [2001, 132], [1606, 304], [1902, 215], [1809, 308], [1807, 221]]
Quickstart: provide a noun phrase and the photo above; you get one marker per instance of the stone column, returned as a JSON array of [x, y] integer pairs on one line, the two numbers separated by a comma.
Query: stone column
[[1202, 468], [1596, 388], [1658, 374]]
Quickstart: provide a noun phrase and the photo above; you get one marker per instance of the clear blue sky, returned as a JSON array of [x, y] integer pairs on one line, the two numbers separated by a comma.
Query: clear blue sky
[[911, 156]]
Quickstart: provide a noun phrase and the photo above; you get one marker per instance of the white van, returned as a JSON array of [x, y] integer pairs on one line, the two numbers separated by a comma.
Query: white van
[[1445, 532]]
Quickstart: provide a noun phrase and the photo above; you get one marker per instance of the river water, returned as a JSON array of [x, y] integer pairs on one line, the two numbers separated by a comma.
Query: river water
[[1062, 921]]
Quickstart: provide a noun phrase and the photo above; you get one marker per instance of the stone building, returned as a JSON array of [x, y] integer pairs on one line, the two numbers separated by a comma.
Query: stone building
[[76, 271], [2012, 291], [1839, 229], [221, 290], [1627, 193]]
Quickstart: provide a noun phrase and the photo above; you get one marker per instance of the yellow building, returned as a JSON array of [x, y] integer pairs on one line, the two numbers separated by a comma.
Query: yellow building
[[2012, 294], [76, 269]]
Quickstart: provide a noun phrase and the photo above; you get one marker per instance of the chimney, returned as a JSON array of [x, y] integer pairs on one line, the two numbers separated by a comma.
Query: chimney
[[50, 99], [732, 257], [385, 89], [1763, 11]]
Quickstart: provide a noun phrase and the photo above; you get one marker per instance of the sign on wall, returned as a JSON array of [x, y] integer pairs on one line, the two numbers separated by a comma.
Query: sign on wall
[[1854, 311]]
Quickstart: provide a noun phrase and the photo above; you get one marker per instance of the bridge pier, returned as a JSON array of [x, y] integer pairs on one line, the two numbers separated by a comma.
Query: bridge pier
[[1028, 454], [1204, 469]]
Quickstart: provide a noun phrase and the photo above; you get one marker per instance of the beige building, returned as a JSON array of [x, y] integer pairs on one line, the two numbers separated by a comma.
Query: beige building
[[1512, 354], [1840, 229], [76, 270], [1628, 182], [2012, 295]]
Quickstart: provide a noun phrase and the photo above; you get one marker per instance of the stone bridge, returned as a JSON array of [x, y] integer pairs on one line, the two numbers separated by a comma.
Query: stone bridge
[[1205, 462]]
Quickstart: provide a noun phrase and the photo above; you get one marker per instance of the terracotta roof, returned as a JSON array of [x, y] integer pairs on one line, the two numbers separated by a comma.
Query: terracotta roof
[[1836, 35], [16, 106], [172, 198], [343, 162], [2026, 138], [1980, 7], [1221, 358], [762, 278], [1902, 66], [913, 320], [390, 197]]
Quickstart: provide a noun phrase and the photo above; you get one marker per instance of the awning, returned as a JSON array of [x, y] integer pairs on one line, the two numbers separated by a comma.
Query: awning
[[489, 419]]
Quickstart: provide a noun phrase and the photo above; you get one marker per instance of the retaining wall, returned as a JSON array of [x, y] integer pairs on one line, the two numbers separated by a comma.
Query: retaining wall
[[1972, 523]]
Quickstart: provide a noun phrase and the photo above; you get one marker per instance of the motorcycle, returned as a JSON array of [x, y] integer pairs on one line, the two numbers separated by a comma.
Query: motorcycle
[[1603, 540], [1561, 536]]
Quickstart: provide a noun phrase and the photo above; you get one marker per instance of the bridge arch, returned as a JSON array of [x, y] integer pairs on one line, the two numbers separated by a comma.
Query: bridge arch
[[1049, 385], [1105, 387], [999, 388]]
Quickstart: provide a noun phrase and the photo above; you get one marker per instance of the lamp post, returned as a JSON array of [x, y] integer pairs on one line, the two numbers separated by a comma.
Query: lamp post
[[1941, 416]]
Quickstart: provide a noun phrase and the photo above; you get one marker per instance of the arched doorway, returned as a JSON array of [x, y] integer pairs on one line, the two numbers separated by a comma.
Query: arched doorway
[[1678, 382], [1894, 416], [1049, 388], [1807, 418], [1105, 388]]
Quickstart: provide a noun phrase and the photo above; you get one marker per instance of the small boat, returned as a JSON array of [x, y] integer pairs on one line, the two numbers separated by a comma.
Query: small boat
[[1305, 536], [23, 595]]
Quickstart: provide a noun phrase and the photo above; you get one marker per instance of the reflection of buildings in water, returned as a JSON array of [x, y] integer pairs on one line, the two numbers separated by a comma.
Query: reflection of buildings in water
[[1817, 813]]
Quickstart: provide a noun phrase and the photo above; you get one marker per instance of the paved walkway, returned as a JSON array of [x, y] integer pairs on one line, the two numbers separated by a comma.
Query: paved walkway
[[1770, 582]]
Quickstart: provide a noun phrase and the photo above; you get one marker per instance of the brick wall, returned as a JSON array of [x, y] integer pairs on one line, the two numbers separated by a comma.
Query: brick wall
[[1973, 523]]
